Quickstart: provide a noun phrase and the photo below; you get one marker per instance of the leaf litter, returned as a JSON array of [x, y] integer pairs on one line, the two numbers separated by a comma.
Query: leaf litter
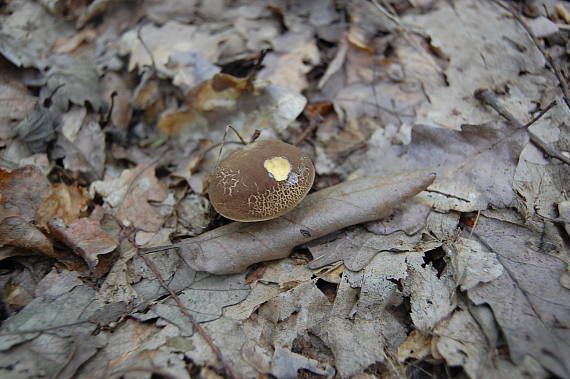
[[110, 123]]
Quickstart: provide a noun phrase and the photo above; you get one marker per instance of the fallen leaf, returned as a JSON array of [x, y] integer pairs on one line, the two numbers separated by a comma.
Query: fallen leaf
[[417, 346], [22, 191], [472, 263], [528, 301], [50, 354], [286, 364], [432, 299], [183, 40], [321, 213], [16, 102], [293, 56], [480, 60], [277, 277], [85, 153], [116, 92], [356, 338], [28, 33], [68, 46], [356, 247], [57, 283], [366, 21], [461, 342], [45, 312], [16, 231], [137, 346], [85, 237], [130, 196], [410, 217], [538, 181], [37, 130], [73, 80], [64, 202], [226, 100], [475, 166]]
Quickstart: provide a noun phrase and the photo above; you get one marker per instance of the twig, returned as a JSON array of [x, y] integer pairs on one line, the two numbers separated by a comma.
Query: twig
[[313, 124], [557, 71], [146, 48], [229, 371], [475, 223], [487, 97], [540, 114]]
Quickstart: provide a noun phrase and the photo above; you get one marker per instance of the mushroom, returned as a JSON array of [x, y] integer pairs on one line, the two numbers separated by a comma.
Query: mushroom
[[263, 180]]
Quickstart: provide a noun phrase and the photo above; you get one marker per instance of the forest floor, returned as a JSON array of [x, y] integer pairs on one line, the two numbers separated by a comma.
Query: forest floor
[[113, 114]]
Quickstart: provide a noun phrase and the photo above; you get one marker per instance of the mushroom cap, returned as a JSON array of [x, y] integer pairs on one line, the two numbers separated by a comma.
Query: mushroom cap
[[261, 181]]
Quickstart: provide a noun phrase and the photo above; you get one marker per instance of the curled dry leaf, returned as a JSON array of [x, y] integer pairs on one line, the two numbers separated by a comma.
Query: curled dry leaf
[[16, 231], [22, 191], [233, 247], [85, 237], [65, 202]]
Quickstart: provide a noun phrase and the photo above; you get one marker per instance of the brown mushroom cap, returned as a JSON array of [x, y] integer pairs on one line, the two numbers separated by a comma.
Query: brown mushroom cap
[[261, 181]]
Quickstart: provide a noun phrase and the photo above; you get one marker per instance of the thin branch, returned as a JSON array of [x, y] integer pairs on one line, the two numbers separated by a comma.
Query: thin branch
[[313, 124], [540, 114], [488, 98], [229, 371], [146, 48]]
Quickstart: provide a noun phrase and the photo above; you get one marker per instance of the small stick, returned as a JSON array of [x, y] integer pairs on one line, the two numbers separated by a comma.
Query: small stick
[[224, 141], [229, 371], [255, 136], [475, 223], [237, 134], [313, 124], [487, 97], [540, 114]]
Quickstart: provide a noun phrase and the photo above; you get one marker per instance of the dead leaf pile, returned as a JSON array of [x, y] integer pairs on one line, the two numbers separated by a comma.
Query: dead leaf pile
[[435, 242]]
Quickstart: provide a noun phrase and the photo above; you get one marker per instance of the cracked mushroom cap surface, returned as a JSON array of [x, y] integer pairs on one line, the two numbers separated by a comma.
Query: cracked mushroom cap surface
[[261, 181]]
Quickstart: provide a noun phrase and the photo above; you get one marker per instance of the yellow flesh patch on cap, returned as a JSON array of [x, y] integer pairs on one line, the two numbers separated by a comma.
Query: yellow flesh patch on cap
[[278, 167]]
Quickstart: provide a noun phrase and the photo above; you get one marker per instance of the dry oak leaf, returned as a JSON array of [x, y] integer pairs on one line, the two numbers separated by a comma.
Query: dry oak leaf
[[85, 237], [528, 301], [22, 191], [130, 195], [16, 231], [65, 202], [233, 247]]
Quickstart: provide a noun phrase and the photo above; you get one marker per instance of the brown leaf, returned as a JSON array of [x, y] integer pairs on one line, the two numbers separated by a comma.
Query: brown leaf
[[85, 237], [16, 231], [65, 202], [22, 191], [220, 92], [232, 248]]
